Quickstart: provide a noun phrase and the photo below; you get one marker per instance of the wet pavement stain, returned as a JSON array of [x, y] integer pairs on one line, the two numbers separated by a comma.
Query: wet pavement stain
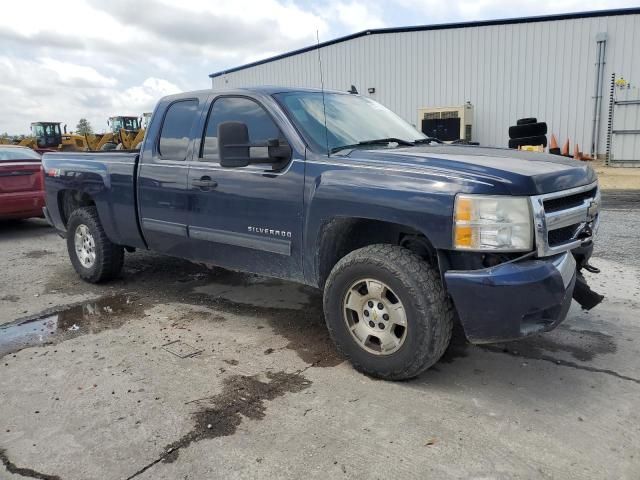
[[303, 326], [161, 279], [583, 345], [23, 472], [37, 253], [307, 334], [55, 326], [241, 396]]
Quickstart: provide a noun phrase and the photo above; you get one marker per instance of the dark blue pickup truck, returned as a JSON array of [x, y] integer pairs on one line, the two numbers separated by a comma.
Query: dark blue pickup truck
[[405, 234]]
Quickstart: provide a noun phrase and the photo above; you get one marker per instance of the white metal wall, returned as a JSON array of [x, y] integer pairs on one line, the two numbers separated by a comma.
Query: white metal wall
[[543, 69]]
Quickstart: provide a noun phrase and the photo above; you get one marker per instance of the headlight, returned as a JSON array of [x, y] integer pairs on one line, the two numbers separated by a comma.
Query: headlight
[[492, 223]]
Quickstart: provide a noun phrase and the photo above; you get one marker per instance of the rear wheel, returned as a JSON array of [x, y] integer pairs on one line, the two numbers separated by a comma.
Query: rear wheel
[[519, 142], [93, 255], [387, 312]]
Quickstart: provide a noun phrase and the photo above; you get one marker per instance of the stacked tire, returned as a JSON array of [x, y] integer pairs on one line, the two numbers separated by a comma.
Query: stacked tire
[[528, 131]]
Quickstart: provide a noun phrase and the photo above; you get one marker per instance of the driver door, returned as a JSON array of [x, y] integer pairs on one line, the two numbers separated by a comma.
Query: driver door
[[246, 218]]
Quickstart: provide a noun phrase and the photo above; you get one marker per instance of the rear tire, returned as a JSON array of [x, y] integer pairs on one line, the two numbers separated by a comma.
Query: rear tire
[[524, 121], [528, 130], [408, 284], [94, 257], [519, 142]]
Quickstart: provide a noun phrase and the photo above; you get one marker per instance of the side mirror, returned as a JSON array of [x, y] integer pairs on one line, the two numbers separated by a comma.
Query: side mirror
[[233, 144], [235, 148]]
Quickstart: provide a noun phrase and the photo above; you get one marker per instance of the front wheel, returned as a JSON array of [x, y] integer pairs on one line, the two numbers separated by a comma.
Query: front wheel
[[387, 312], [94, 257]]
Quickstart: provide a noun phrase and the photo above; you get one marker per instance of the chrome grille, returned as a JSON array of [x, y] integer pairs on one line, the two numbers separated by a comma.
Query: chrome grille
[[575, 200], [565, 220]]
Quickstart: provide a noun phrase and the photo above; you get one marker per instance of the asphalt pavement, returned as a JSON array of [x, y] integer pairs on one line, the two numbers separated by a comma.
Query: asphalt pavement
[[175, 371]]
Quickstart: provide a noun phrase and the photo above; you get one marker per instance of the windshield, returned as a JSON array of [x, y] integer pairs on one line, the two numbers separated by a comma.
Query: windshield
[[351, 119], [116, 124], [131, 123], [45, 129]]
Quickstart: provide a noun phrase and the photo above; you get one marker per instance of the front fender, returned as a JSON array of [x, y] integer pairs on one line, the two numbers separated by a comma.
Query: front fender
[[417, 199]]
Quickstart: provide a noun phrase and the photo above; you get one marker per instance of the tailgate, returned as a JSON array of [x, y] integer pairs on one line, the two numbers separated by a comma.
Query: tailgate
[[20, 177]]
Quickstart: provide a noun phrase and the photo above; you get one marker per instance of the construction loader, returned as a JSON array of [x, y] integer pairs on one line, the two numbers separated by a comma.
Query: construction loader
[[124, 132], [48, 135]]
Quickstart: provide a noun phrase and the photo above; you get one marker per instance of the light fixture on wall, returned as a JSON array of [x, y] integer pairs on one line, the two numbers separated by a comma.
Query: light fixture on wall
[[371, 90]]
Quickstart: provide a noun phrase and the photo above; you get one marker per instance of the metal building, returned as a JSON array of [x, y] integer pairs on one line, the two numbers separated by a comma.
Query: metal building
[[556, 68]]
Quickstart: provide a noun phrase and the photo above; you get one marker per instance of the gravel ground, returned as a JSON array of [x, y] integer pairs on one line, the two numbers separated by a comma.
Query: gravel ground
[[178, 372]]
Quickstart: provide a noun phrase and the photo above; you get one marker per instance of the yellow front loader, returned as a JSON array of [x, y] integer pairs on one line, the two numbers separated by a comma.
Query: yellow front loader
[[124, 132]]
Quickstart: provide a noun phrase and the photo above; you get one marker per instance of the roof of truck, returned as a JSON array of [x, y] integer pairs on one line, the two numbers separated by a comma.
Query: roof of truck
[[262, 89]]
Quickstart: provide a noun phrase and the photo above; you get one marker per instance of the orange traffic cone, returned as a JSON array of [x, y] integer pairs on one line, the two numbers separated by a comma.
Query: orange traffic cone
[[576, 152], [565, 149], [553, 146]]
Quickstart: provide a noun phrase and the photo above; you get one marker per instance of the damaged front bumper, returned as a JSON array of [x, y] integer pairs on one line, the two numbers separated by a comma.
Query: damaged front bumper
[[515, 299]]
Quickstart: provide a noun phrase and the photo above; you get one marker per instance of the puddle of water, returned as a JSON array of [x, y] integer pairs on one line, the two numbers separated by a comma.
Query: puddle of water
[[57, 326]]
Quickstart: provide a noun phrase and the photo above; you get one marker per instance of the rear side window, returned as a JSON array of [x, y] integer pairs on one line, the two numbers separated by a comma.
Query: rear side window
[[260, 125], [174, 137], [11, 154]]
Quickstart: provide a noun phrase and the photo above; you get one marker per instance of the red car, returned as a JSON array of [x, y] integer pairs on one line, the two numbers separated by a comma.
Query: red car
[[21, 183]]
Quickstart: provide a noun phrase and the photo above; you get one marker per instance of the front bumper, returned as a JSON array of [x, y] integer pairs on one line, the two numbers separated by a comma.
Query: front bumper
[[513, 300]]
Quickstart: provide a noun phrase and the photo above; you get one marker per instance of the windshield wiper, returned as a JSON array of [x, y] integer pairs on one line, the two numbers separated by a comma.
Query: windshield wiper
[[377, 141], [420, 141]]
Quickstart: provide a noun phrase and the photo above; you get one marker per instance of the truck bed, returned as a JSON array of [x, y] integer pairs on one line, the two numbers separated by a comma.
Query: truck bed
[[108, 178]]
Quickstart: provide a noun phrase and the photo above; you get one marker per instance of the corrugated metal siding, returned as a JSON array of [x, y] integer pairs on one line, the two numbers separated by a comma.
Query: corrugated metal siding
[[543, 69]]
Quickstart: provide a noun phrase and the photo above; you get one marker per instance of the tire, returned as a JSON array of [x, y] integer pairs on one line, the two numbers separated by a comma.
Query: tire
[[428, 312], [524, 121], [109, 146], [528, 130], [108, 257], [518, 142]]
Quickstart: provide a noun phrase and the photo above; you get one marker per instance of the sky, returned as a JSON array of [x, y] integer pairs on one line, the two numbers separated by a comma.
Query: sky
[[61, 61]]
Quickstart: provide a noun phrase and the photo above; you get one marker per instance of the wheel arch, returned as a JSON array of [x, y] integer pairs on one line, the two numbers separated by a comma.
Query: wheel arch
[[72, 199], [340, 236]]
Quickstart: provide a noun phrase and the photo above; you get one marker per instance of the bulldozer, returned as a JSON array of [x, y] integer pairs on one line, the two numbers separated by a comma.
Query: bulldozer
[[48, 135]]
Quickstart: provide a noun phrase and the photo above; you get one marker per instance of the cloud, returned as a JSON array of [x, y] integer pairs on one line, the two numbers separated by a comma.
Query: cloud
[[356, 16], [469, 10], [98, 58], [72, 75], [142, 98], [217, 29], [64, 92]]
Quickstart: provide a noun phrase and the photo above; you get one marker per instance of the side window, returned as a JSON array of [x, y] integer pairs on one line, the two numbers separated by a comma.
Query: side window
[[260, 125], [174, 137]]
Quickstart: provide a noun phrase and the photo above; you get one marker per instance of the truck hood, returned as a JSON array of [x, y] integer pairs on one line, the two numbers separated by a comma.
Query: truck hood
[[517, 172]]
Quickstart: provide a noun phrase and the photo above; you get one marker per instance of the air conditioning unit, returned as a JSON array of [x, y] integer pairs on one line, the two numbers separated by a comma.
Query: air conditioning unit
[[447, 123]]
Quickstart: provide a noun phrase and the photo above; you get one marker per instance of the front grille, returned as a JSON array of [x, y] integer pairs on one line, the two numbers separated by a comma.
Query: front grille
[[562, 235], [565, 220], [570, 201]]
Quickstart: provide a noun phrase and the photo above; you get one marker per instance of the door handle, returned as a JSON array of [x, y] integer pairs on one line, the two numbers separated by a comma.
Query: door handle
[[204, 183]]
